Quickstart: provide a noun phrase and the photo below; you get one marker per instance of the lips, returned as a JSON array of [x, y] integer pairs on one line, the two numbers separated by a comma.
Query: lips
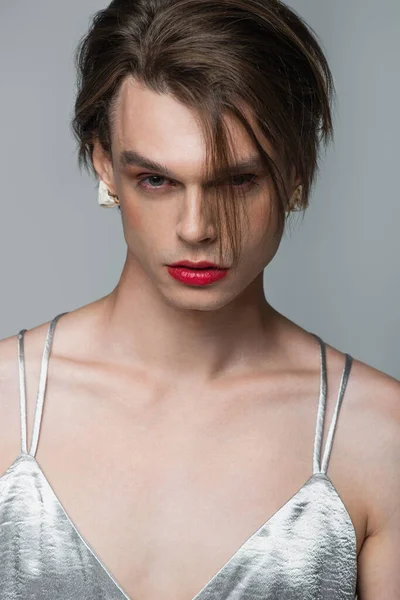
[[196, 265], [196, 268], [198, 276]]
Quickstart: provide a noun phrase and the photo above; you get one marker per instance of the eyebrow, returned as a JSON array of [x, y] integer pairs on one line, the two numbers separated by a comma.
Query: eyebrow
[[131, 158]]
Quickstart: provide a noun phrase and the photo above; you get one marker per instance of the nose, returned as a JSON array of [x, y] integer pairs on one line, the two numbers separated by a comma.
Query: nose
[[195, 223]]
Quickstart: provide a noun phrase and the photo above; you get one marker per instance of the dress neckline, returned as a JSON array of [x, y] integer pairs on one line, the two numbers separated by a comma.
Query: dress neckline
[[23, 456]]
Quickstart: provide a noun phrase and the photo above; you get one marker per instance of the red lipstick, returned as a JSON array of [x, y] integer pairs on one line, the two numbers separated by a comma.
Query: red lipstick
[[200, 273]]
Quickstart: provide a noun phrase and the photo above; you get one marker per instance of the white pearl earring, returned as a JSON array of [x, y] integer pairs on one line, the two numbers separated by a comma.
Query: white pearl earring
[[105, 198]]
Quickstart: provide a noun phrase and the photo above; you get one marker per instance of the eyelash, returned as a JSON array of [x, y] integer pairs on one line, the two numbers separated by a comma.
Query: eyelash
[[249, 184]]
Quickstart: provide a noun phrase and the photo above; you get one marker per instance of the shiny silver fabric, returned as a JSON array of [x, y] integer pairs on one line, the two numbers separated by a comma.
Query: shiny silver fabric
[[305, 551]]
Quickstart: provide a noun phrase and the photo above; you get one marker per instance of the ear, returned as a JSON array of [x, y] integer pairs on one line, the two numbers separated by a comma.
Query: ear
[[294, 181], [103, 166]]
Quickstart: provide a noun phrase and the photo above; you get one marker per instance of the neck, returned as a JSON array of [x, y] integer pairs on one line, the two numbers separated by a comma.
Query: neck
[[184, 333]]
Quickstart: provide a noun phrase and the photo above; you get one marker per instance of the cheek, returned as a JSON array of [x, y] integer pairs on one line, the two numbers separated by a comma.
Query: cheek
[[260, 223], [144, 228], [135, 220], [132, 224], [266, 214], [264, 235]]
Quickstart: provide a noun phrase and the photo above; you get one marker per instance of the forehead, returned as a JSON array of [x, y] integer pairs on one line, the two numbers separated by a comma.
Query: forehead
[[158, 126]]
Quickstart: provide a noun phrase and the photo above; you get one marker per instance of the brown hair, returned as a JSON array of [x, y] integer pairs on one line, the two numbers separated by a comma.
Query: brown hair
[[216, 57]]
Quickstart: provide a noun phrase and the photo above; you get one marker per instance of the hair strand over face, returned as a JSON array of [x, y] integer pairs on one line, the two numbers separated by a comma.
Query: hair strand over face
[[218, 58]]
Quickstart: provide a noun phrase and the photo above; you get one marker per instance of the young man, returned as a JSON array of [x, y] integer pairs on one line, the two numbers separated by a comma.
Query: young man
[[178, 429]]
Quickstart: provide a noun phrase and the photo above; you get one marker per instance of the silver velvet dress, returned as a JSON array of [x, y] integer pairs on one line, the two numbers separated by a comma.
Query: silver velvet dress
[[305, 551]]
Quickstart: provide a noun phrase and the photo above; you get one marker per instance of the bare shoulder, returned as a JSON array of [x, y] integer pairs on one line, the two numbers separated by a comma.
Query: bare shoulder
[[376, 398], [9, 388], [373, 398], [9, 354]]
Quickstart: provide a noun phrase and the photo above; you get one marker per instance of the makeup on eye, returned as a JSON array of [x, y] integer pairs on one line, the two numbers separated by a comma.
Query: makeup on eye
[[252, 178]]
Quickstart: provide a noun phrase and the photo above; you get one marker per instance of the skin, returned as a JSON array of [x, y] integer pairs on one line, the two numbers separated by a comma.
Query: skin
[[184, 417]]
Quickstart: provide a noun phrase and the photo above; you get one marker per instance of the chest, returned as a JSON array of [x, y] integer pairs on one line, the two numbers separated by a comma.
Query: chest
[[166, 491]]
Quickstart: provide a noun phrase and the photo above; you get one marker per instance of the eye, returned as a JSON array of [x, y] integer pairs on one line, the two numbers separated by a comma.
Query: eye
[[151, 177], [250, 176], [245, 181]]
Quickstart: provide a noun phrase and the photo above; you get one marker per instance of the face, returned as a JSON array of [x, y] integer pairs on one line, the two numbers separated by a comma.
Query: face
[[163, 216]]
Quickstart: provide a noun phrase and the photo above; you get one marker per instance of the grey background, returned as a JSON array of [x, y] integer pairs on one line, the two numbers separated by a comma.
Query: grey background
[[336, 272]]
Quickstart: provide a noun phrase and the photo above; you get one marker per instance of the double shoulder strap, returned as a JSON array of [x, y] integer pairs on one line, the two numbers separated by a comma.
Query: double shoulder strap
[[319, 428], [41, 391], [317, 466]]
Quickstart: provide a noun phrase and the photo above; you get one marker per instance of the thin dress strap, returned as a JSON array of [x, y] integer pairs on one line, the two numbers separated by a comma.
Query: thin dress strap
[[317, 466], [41, 390]]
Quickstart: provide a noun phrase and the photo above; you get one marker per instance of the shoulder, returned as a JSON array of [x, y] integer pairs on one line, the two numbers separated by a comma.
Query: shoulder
[[376, 397], [33, 346], [9, 388], [373, 398], [367, 446]]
